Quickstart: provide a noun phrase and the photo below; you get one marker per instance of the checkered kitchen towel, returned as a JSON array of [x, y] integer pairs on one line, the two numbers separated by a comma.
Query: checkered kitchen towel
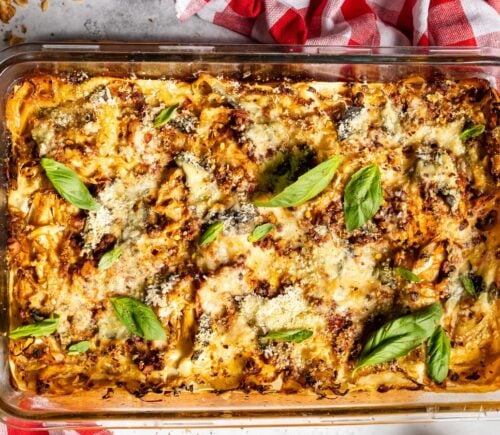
[[355, 22]]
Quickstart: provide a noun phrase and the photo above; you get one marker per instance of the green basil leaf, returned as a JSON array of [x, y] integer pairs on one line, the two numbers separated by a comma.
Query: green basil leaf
[[283, 169], [77, 348], [407, 274], [38, 329], [68, 184], [307, 186], [211, 233], [165, 116], [109, 258], [400, 336], [477, 130], [468, 285], [139, 319], [363, 196], [260, 231], [294, 335], [438, 355]]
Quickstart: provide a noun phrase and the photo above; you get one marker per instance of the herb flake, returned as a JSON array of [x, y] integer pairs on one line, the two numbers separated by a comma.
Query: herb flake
[[293, 335], [68, 184], [211, 233], [363, 196], [307, 186], [39, 329], [400, 336], [139, 319], [78, 348], [407, 274], [165, 116], [109, 258], [468, 285], [438, 355], [260, 231], [474, 131]]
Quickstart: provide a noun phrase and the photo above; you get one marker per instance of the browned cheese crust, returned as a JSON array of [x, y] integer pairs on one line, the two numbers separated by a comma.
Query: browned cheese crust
[[228, 143]]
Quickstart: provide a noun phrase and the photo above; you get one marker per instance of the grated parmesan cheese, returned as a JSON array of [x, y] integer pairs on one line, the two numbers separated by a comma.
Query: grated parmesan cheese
[[287, 311], [117, 215]]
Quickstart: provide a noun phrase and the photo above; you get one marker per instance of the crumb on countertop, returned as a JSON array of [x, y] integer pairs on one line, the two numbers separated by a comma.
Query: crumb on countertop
[[12, 39]]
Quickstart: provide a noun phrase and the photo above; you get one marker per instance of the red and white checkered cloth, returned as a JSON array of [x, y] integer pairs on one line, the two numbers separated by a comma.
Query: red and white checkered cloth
[[355, 22]]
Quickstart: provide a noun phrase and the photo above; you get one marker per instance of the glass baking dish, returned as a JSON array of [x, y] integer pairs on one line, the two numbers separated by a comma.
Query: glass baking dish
[[121, 409]]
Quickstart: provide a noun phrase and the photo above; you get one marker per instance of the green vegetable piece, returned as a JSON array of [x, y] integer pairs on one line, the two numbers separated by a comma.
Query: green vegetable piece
[[165, 116], [285, 168], [68, 184], [260, 231], [475, 131], [363, 196], [307, 186], [400, 336], [468, 285], [109, 258], [438, 355], [407, 274], [294, 335], [211, 233], [139, 319], [78, 348], [39, 329]]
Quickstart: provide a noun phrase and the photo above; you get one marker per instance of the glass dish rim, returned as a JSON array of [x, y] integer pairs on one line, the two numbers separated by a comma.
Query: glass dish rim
[[144, 52]]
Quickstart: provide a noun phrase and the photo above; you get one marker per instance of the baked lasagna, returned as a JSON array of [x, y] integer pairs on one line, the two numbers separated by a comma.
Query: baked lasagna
[[273, 236]]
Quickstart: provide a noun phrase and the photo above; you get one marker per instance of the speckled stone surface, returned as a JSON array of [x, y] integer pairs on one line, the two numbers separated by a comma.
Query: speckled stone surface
[[124, 20], [155, 20]]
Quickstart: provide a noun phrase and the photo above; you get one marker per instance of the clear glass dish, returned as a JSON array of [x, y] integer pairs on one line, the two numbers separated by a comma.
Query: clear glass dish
[[122, 409]]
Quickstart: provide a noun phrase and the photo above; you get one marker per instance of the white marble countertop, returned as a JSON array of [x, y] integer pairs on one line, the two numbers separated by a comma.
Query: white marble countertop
[[155, 20]]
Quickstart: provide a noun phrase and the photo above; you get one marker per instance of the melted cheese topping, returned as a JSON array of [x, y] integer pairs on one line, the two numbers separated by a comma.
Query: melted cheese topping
[[228, 143]]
